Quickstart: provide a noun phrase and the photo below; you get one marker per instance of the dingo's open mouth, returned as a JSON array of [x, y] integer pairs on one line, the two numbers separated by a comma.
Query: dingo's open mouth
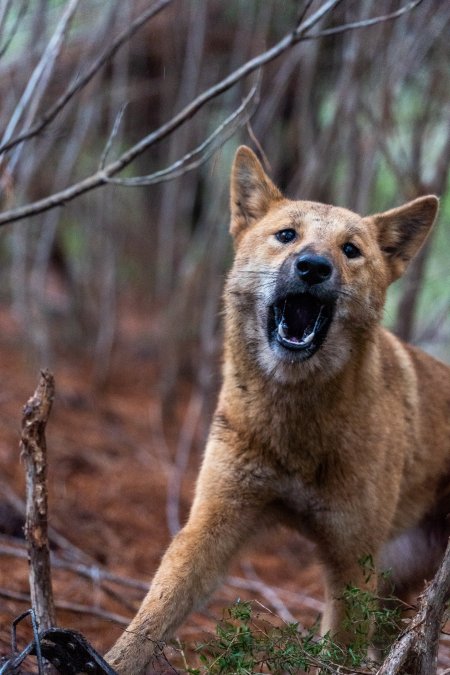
[[300, 322]]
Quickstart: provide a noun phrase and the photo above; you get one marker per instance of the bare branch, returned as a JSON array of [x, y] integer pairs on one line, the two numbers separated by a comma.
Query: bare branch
[[416, 649], [96, 573], [92, 572], [269, 593], [56, 538], [17, 22], [304, 11], [254, 585], [112, 136], [34, 452], [366, 23], [81, 81], [103, 176], [70, 607], [202, 152], [41, 72]]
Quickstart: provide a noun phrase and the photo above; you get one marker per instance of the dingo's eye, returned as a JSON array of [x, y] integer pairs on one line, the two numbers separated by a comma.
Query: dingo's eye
[[286, 236], [350, 250]]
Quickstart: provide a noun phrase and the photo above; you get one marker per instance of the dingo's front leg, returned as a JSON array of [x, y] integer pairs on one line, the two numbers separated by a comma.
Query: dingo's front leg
[[223, 514]]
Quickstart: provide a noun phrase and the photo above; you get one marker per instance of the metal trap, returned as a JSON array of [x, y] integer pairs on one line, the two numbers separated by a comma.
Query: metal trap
[[67, 650]]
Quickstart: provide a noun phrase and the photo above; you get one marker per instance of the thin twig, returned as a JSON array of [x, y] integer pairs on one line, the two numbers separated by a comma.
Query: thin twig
[[304, 11], [365, 23], [12, 547], [70, 607], [29, 100], [269, 593], [202, 152], [301, 599], [82, 80], [104, 176], [92, 572], [17, 21], [112, 136], [100, 578], [56, 538]]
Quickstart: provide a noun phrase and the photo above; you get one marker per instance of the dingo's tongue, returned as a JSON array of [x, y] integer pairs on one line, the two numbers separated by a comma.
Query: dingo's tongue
[[283, 333]]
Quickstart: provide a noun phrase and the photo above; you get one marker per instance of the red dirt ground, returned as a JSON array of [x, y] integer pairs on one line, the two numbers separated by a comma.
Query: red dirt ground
[[107, 495]]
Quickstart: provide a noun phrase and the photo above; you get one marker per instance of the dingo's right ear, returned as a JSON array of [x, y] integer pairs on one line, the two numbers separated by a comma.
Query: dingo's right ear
[[252, 191]]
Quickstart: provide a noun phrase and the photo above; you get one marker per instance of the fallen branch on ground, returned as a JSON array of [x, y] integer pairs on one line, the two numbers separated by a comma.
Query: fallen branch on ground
[[74, 607]]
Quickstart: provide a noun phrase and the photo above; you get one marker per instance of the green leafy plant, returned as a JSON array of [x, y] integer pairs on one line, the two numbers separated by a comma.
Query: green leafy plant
[[250, 639]]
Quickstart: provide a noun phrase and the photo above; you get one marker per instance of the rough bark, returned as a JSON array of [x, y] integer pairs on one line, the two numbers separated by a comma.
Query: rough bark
[[415, 651], [34, 453]]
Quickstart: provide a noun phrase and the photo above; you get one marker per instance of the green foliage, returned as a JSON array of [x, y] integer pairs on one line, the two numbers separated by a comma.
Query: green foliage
[[249, 640], [366, 616], [246, 642]]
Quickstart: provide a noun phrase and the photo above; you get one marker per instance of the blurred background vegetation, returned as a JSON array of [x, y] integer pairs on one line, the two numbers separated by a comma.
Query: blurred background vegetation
[[358, 119]]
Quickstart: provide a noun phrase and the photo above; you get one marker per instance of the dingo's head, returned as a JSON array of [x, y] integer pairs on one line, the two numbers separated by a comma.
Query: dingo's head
[[309, 280]]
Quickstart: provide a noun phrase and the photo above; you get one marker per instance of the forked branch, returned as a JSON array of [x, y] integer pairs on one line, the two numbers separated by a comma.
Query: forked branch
[[303, 31]]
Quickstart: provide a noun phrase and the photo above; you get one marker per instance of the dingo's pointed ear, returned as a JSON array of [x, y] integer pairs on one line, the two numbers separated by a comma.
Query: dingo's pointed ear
[[402, 231], [252, 191]]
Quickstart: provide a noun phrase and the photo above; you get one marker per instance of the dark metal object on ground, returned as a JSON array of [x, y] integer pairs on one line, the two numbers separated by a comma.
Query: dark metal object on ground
[[68, 651]]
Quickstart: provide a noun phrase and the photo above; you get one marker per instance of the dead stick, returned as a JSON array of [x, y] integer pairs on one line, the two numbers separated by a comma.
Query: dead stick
[[416, 650], [34, 453]]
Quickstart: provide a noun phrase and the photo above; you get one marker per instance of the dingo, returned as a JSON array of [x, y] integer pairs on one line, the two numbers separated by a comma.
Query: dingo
[[325, 421]]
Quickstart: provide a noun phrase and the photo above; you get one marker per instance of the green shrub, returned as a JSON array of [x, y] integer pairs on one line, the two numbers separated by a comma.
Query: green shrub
[[249, 639]]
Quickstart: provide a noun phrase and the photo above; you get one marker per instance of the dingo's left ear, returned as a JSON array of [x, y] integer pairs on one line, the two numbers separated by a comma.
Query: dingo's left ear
[[252, 191], [402, 231]]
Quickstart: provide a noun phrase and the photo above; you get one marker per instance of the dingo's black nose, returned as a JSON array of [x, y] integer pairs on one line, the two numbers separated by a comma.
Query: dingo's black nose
[[313, 269]]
